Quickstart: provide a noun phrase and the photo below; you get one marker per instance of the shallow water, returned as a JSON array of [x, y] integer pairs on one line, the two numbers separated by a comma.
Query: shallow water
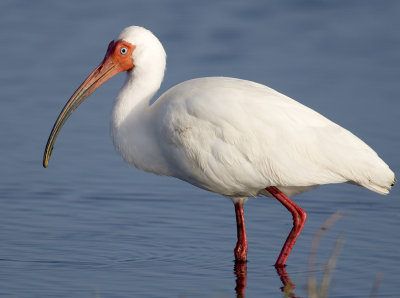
[[91, 226]]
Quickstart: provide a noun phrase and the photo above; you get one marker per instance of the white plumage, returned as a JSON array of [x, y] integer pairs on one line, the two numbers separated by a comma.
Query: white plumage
[[230, 136]]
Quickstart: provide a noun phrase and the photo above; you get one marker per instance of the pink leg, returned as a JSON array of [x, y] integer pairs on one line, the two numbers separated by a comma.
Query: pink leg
[[241, 246], [299, 219]]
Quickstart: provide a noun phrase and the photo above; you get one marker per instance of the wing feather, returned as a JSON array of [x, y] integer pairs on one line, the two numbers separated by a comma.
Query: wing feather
[[237, 137]]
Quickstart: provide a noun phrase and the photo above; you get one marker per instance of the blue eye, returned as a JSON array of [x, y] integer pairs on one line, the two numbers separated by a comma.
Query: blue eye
[[123, 51]]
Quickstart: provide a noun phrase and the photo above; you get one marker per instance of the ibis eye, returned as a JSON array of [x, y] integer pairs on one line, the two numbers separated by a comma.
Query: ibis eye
[[123, 51]]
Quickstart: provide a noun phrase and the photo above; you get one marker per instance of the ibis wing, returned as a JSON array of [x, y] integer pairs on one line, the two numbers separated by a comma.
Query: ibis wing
[[236, 137]]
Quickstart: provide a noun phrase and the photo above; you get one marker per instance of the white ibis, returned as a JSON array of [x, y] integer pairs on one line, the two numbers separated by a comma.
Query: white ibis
[[233, 137]]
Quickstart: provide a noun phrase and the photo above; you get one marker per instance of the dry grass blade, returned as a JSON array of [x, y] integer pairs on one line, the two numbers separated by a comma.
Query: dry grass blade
[[375, 287], [313, 292], [326, 279]]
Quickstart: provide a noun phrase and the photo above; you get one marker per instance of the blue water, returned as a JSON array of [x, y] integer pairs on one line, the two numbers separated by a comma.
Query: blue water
[[90, 226]]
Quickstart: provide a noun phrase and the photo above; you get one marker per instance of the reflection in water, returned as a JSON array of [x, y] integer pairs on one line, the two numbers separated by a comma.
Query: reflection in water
[[288, 285], [240, 269]]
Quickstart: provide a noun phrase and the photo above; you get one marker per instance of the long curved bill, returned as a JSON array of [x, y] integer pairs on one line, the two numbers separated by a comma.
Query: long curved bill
[[107, 68]]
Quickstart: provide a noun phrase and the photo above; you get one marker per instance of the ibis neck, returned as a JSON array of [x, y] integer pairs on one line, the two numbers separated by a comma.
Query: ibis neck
[[132, 129], [135, 95]]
